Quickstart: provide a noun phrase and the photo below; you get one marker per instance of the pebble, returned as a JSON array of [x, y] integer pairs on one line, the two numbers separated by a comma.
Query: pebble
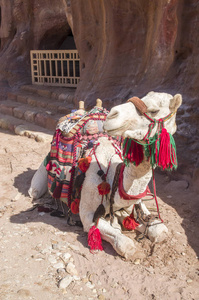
[[189, 280], [52, 259], [59, 265], [41, 213], [137, 261], [66, 256], [101, 297], [64, 283], [70, 268], [90, 285]]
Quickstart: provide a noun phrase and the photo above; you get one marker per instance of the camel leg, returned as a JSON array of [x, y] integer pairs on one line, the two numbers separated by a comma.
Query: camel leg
[[123, 245], [155, 230]]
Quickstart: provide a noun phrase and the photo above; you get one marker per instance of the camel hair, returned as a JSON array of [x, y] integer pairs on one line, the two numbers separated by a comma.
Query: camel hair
[[126, 120]]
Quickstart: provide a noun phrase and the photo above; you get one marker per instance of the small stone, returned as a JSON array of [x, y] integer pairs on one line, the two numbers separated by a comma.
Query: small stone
[[52, 259], [76, 278], [64, 283], [90, 285], [85, 280], [104, 290], [59, 265], [66, 256], [189, 280], [41, 214], [101, 297], [71, 269], [94, 291], [183, 253], [136, 261]]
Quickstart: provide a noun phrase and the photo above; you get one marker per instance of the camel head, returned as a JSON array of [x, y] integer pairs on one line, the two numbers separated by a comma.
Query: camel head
[[127, 120]]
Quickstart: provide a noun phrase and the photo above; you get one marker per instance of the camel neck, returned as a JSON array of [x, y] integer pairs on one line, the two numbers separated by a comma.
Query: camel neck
[[136, 179]]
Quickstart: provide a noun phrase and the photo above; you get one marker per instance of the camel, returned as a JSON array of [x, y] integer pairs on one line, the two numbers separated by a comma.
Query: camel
[[129, 121]]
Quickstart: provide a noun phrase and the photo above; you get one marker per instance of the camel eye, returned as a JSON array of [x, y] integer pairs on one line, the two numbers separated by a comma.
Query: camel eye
[[154, 111]]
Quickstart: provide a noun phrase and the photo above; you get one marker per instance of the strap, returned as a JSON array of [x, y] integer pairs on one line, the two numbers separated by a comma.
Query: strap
[[114, 189], [139, 104]]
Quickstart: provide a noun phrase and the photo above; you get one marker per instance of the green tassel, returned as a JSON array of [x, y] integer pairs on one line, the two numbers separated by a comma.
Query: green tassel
[[173, 150], [46, 160], [53, 186]]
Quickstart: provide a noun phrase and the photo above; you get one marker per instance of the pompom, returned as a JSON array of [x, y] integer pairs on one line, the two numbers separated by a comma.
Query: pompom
[[84, 163], [75, 206], [129, 223], [104, 188]]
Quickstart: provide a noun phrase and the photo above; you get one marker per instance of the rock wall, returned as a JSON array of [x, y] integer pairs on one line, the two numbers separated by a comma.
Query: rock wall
[[126, 48]]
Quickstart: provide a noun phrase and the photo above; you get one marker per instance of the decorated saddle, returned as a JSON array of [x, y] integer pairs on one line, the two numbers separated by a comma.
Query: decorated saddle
[[74, 135]]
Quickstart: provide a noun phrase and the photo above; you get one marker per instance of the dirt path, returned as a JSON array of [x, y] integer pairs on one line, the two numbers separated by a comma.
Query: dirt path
[[36, 248]]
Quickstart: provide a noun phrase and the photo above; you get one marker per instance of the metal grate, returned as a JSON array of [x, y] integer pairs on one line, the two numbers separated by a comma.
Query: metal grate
[[55, 67]]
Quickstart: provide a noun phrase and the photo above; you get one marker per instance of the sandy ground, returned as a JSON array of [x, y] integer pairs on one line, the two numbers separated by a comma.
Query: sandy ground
[[36, 249]]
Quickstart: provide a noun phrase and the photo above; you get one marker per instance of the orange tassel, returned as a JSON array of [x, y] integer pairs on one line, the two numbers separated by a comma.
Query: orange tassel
[[84, 163]]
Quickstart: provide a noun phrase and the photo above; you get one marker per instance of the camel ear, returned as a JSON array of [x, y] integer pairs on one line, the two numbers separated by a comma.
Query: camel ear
[[175, 102]]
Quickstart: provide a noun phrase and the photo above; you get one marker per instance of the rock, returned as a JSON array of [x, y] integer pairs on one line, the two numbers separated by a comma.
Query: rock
[[90, 285], [61, 271], [137, 261], [52, 259], [70, 268], [189, 280], [101, 297], [65, 282], [176, 185], [59, 265], [66, 256]]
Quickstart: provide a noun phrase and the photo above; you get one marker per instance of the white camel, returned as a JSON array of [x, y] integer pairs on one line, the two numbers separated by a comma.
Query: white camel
[[127, 121]]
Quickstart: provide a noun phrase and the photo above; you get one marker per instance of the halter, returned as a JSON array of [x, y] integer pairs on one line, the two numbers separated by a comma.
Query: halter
[[160, 148]]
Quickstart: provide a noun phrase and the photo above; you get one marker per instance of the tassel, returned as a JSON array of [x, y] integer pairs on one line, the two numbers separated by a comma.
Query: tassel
[[47, 159], [167, 151], [49, 166], [57, 191], [132, 152], [129, 222], [94, 239], [53, 186]]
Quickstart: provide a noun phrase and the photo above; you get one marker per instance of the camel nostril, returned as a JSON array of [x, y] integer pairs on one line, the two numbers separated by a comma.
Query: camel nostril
[[113, 114]]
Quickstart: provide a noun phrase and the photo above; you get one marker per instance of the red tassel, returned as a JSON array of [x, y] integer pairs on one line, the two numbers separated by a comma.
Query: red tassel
[[138, 154], [129, 223], [94, 239], [49, 166], [135, 153], [164, 159], [57, 191]]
